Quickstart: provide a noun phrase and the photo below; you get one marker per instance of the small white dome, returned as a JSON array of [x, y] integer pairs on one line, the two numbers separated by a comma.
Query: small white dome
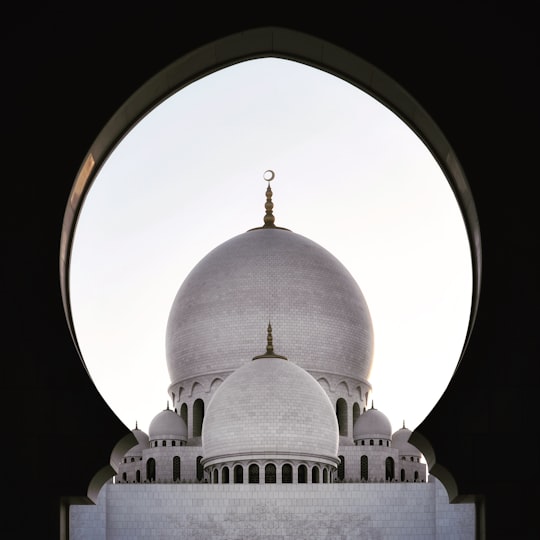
[[167, 425], [270, 406], [142, 443], [400, 440], [372, 424]]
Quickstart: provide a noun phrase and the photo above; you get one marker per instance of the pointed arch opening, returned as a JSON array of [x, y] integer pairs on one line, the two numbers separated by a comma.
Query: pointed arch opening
[[389, 468], [253, 474], [364, 470], [198, 417], [361, 74], [151, 470], [286, 474], [239, 474], [341, 468], [270, 474], [200, 469], [176, 469], [355, 412], [184, 413], [341, 413], [302, 474], [225, 475]]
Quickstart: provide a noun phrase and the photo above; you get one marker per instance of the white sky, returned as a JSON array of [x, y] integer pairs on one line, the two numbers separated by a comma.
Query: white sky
[[350, 175]]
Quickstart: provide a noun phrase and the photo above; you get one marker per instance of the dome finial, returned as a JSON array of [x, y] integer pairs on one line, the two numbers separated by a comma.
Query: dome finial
[[269, 218], [136, 426], [269, 205], [269, 346], [403, 424], [269, 341]]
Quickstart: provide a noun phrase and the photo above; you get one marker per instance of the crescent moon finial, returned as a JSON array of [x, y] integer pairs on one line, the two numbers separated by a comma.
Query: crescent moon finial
[[269, 219]]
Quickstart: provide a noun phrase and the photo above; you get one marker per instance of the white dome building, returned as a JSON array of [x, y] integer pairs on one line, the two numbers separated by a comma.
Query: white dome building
[[167, 432], [241, 426], [411, 469], [317, 309], [167, 428], [373, 432], [130, 469], [372, 426], [237, 418]]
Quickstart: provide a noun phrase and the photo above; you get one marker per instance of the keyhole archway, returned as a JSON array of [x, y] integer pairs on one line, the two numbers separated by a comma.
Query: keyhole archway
[[281, 43]]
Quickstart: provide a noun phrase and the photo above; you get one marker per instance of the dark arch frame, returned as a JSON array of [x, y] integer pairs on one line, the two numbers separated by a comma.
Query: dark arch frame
[[315, 52]]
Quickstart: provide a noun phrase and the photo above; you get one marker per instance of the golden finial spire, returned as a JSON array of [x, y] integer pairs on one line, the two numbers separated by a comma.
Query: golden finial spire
[[269, 205], [269, 340], [269, 218], [269, 346]]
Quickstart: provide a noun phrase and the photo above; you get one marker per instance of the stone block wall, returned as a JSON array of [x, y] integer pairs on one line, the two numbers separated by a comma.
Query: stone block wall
[[264, 512]]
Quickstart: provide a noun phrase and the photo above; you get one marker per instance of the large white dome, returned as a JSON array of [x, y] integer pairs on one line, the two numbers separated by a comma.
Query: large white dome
[[270, 407], [316, 308]]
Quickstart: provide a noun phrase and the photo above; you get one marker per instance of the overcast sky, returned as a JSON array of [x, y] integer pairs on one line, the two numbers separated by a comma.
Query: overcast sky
[[349, 174]]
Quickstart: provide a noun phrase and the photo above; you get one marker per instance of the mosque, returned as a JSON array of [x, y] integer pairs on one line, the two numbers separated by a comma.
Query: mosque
[[269, 347]]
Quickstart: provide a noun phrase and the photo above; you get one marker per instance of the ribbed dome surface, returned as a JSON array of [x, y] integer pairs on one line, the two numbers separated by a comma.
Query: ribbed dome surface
[[167, 425], [372, 423], [270, 406], [317, 309], [400, 440]]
